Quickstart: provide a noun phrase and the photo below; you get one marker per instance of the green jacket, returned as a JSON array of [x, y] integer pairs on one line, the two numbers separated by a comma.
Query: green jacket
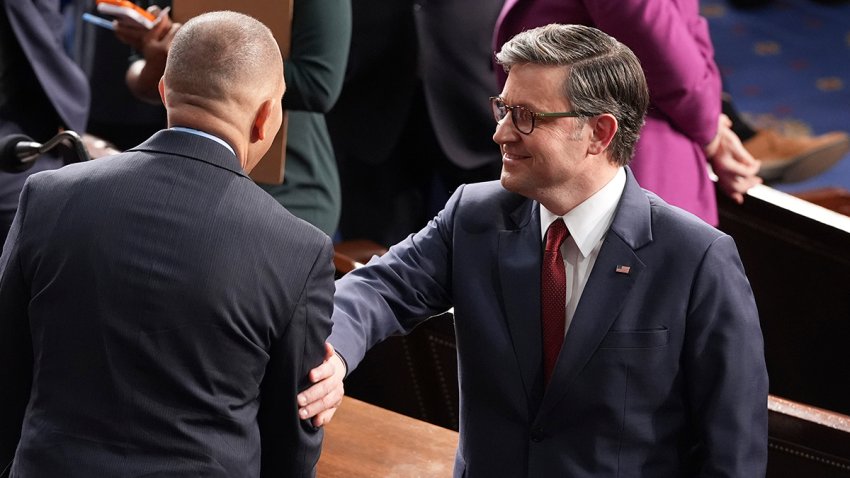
[[321, 35]]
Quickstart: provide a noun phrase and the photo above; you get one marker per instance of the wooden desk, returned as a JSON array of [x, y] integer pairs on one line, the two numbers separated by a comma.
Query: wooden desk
[[365, 441]]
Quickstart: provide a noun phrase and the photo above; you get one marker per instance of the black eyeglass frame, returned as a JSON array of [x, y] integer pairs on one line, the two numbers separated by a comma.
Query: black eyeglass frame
[[494, 100]]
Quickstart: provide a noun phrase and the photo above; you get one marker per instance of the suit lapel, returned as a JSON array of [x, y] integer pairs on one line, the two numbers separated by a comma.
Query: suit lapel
[[616, 271], [519, 272]]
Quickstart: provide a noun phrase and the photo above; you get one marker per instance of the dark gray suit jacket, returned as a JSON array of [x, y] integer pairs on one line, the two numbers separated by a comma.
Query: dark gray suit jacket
[[456, 65], [395, 43], [662, 371], [166, 311]]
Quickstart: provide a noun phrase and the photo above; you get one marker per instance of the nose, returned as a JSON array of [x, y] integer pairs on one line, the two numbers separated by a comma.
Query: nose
[[505, 131]]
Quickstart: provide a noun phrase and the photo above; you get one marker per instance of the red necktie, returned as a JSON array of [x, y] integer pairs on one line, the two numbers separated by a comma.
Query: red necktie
[[553, 281]]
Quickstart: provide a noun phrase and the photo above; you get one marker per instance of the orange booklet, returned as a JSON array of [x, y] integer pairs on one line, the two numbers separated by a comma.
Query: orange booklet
[[124, 9]]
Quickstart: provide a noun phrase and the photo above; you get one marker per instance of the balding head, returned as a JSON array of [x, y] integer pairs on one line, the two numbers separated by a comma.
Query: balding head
[[221, 68]]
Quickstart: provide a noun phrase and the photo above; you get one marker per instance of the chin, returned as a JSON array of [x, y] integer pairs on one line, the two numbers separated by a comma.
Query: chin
[[510, 182]]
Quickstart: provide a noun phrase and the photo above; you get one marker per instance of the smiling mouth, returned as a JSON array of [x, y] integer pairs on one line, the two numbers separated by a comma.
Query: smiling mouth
[[513, 156]]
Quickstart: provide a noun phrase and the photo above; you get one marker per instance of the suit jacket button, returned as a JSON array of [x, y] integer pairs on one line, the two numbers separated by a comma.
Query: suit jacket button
[[537, 435]]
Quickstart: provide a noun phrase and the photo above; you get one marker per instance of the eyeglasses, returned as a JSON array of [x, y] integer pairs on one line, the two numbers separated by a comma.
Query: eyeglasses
[[524, 118]]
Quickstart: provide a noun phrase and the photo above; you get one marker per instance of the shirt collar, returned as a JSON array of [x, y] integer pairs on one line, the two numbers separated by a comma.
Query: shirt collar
[[589, 221], [205, 135]]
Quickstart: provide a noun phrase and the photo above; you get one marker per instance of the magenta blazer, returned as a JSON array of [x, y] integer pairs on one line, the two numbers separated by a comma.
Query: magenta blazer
[[673, 44]]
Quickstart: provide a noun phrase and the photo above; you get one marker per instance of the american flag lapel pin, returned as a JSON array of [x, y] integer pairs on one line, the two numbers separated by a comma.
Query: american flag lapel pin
[[623, 270]]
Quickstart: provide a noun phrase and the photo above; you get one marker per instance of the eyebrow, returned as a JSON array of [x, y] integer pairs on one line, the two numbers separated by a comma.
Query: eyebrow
[[534, 108], [525, 105]]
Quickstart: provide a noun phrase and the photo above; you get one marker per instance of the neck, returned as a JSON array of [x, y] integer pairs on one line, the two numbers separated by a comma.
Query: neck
[[210, 122], [563, 199]]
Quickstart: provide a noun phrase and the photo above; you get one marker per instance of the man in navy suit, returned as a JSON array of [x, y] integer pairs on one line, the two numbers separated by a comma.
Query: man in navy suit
[[649, 362], [158, 310]]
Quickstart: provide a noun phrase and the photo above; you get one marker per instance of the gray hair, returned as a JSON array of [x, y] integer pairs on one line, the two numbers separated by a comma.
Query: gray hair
[[604, 76], [221, 54]]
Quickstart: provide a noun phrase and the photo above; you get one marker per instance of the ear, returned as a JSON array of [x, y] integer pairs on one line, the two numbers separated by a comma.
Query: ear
[[161, 88], [259, 129], [604, 127]]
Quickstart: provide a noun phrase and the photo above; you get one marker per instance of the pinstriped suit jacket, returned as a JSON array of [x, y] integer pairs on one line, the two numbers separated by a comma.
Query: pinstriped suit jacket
[[166, 311]]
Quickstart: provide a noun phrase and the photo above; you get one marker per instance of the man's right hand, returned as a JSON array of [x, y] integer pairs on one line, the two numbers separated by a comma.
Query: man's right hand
[[321, 400], [143, 75]]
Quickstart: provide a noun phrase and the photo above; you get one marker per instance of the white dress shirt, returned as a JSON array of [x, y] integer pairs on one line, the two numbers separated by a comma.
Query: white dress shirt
[[205, 135], [588, 222]]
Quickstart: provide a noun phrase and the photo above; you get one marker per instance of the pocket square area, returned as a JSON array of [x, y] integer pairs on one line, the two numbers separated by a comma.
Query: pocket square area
[[634, 339]]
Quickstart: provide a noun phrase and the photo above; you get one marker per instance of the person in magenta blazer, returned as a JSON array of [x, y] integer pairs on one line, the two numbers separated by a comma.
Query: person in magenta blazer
[[661, 371], [684, 126]]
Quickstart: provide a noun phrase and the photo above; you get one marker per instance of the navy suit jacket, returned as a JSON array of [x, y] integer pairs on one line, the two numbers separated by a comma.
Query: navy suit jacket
[[662, 370], [159, 313]]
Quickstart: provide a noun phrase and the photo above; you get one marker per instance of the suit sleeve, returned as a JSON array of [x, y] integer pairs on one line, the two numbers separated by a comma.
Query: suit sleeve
[[16, 353], [725, 368], [321, 36], [675, 51], [290, 446], [396, 292]]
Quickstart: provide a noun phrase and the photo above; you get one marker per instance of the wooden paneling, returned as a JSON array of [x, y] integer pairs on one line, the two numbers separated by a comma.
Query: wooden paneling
[[415, 375], [797, 258]]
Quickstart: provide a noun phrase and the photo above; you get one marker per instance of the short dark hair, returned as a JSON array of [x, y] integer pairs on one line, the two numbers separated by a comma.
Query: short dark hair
[[604, 76], [215, 52]]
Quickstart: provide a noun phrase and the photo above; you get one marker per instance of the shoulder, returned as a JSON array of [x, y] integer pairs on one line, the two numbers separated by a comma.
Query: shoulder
[[54, 179], [649, 225], [262, 216], [486, 197], [674, 221], [683, 238], [486, 206]]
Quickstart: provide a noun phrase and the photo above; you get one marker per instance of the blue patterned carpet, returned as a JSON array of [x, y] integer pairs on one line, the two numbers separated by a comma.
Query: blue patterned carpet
[[787, 65]]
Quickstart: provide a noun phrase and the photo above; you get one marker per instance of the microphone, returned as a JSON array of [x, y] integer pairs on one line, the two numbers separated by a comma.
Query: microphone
[[19, 152]]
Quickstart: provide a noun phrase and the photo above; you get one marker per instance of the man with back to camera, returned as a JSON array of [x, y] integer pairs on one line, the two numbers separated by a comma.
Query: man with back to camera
[[600, 332], [159, 311]]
